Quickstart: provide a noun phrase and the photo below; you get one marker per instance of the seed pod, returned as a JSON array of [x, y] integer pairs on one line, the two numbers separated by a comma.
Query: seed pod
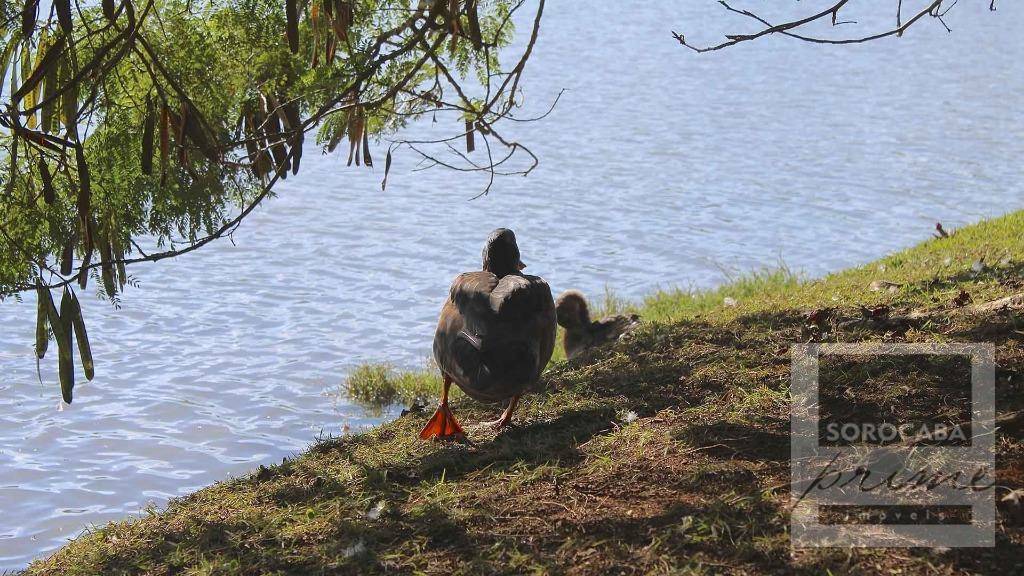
[[165, 136], [49, 101], [87, 231], [277, 147], [67, 257], [84, 199], [367, 160], [289, 114], [48, 56], [65, 357], [148, 127], [64, 16], [28, 18], [84, 349], [342, 21], [292, 25], [470, 142], [42, 325], [119, 253], [69, 99], [107, 266], [474, 25], [49, 195], [108, 9]]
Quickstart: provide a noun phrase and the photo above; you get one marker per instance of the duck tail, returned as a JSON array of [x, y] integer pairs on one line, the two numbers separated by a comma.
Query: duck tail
[[493, 361]]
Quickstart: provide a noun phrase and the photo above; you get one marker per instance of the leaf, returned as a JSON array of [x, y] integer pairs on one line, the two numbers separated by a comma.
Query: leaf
[[292, 25], [148, 128], [84, 349], [49, 195], [42, 325], [65, 358]]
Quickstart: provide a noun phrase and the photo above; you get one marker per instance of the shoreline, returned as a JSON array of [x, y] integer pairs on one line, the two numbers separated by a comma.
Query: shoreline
[[666, 452]]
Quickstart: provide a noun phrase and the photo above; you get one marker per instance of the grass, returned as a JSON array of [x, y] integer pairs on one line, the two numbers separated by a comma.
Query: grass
[[667, 453]]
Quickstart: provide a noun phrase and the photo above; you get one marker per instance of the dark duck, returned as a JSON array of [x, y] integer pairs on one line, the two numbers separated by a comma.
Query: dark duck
[[495, 335], [582, 334]]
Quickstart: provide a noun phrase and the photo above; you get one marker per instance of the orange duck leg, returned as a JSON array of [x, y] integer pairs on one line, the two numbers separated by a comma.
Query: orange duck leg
[[443, 425]]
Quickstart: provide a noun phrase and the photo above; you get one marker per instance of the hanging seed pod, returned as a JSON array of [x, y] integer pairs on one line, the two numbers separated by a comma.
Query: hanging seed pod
[[289, 115], [165, 136], [49, 195], [292, 25], [342, 22], [387, 169], [119, 253], [49, 102], [355, 135], [28, 18], [69, 99], [192, 128], [65, 357], [470, 142], [473, 17], [148, 128], [277, 147], [48, 56], [178, 123], [84, 349], [42, 324], [367, 160], [63, 8], [107, 266], [108, 9], [264, 162], [84, 199], [336, 137], [67, 256], [88, 232]]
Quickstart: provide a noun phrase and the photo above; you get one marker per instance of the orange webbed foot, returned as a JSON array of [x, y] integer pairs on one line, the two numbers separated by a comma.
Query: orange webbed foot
[[443, 426]]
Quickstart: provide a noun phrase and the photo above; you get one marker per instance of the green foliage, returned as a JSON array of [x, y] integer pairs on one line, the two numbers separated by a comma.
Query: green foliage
[[167, 121]]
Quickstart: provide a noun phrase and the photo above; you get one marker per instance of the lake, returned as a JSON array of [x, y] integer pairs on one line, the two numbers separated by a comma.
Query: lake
[[659, 168]]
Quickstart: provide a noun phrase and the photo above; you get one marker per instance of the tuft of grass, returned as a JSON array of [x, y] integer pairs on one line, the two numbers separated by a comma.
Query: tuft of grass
[[376, 386]]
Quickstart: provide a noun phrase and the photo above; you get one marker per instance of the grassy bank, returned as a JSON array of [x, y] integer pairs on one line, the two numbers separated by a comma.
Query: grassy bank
[[667, 453]]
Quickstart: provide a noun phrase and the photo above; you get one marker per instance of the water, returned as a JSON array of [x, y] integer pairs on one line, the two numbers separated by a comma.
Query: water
[[659, 167]]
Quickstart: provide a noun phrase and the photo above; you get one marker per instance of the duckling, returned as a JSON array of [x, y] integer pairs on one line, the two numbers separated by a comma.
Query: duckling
[[495, 335], [580, 333]]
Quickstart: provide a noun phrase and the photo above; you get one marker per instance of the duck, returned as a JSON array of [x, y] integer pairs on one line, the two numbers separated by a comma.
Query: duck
[[582, 334], [495, 335]]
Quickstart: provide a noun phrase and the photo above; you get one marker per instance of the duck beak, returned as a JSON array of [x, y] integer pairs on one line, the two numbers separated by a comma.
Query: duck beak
[[521, 265]]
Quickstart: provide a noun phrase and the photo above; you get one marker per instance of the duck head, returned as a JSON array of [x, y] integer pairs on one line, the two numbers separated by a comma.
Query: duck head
[[501, 253], [571, 310]]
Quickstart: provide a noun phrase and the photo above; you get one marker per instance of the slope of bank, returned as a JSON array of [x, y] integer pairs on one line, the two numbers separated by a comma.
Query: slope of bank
[[667, 453]]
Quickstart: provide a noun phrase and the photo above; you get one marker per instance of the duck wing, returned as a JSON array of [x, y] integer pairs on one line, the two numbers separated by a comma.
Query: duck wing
[[495, 336]]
